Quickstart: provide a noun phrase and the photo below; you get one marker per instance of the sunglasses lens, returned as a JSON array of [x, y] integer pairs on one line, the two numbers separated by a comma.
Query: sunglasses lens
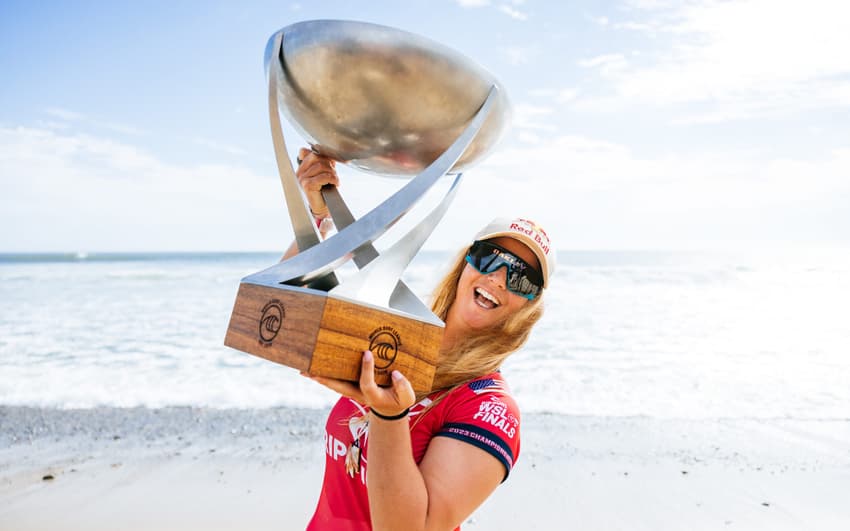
[[522, 279]]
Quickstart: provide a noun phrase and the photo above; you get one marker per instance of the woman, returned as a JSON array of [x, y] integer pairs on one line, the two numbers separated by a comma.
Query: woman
[[432, 460]]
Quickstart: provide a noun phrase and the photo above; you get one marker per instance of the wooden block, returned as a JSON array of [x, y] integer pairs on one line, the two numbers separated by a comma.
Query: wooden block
[[315, 332], [278, 324]]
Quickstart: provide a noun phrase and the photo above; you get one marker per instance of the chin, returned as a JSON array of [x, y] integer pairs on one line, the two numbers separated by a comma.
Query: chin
[[478, 318]]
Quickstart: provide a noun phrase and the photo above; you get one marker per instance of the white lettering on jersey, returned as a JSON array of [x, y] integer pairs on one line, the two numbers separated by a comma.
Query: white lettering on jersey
[[334, 447], [495, 412]]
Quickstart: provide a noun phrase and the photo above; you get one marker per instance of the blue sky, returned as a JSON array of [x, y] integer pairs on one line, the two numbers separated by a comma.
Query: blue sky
[[637, 124]]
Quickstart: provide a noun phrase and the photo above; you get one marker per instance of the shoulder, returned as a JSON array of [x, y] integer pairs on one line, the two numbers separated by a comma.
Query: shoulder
[[483, 412], [482, 394]]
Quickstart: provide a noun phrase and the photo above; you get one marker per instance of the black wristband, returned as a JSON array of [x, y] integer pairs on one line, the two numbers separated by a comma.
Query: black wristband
[[391, 417]]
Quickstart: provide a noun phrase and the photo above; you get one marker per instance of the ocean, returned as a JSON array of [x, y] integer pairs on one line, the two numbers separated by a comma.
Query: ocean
[[655, 334]]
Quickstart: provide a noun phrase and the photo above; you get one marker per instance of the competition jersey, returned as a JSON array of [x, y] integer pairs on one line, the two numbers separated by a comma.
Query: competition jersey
[[481, 412]]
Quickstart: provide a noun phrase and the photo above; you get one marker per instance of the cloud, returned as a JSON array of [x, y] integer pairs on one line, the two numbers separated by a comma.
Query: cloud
[[598, 193], [607, 64], [64, 114], [69, 191], [73, 191], [746, 58], [528, 116], [602, 60], [80, 118], [219, 146], [520, 55], [512, 12], [567, 95], [509, 8]]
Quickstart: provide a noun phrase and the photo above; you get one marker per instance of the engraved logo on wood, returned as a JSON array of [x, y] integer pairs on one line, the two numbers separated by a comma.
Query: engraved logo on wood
[[271, 321], [384, 343]]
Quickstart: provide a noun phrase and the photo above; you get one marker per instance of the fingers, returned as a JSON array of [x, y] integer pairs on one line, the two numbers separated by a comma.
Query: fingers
[[367, 375], [403, 390], [305, 153], [388, 401], [314, 172]]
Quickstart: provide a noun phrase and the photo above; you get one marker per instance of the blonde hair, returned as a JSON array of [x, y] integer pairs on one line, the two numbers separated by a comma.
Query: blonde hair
[[485, 351]]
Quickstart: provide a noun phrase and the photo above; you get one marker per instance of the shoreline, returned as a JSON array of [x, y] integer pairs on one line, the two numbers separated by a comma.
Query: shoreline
[[201, 468]]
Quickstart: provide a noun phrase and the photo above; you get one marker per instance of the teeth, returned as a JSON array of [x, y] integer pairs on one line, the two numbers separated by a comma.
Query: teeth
[[487, 296]]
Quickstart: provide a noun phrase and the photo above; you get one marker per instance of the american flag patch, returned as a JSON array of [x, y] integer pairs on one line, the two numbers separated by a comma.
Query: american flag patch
[[487, 385]]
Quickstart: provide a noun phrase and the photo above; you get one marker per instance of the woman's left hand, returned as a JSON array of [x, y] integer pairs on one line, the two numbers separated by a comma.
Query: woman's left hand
[[388, 401]]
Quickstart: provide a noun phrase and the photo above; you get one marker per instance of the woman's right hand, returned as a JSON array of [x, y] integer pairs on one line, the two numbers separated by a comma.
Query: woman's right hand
[[314, 172]]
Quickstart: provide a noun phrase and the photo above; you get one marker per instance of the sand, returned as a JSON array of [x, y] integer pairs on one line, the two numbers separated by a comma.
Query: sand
[[190, 468]]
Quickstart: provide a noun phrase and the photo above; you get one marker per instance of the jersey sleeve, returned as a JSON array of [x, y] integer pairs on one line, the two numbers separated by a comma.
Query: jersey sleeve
[[483, 414]]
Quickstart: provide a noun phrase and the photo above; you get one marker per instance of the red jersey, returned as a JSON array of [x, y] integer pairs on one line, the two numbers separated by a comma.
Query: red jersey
[[481, 413]]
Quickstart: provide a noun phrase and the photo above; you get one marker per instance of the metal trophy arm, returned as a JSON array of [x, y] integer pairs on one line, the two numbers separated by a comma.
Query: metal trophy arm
[[376, 283], [343, 217], [402, 297], [318, 260], [306, 233]]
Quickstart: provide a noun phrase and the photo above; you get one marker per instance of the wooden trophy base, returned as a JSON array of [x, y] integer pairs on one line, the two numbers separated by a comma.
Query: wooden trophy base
[[323, 335]]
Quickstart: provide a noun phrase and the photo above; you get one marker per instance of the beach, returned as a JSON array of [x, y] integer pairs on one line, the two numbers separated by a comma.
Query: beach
[[201, 468], [661, 391]]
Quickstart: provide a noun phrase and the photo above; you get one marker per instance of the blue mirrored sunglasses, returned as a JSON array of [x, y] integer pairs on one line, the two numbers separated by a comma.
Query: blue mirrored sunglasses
[[522, 279]]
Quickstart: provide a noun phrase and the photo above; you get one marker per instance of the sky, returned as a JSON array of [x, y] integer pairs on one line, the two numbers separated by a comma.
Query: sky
[[636, 124]]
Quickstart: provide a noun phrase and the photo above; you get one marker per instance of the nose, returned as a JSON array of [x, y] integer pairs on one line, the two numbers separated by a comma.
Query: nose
[[499, 277]]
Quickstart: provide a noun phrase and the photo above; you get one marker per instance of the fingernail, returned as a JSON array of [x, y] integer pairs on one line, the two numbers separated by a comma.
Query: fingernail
[[367, 355], [397, 376]]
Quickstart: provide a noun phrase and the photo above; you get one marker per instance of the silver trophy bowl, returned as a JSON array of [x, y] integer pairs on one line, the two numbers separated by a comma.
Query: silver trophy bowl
[[381, 99]]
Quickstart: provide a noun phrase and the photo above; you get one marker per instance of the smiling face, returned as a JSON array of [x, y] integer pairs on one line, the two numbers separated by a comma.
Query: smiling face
[[483, 301]]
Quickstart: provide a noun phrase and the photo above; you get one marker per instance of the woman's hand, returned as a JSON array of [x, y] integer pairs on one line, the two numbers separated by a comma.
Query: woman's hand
[[314, 172], [388, 401]]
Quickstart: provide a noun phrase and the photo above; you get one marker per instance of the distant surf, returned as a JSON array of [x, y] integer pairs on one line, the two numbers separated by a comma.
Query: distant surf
[[667, 335]]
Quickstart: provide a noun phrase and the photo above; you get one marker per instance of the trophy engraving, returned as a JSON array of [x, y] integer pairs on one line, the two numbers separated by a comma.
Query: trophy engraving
[[387, 102]]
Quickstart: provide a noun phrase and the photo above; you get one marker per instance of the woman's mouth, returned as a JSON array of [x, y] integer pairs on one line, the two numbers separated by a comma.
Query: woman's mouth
[[485, 299]]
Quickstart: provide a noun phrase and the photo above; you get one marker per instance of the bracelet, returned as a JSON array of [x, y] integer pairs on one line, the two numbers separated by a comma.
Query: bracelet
[[391, 417], [324, 224]]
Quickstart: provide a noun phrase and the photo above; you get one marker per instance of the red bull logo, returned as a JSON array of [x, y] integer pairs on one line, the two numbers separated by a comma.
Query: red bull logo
[[533, 231]]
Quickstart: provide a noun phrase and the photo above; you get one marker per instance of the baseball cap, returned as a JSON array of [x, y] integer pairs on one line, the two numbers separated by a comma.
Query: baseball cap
[[527, 232]]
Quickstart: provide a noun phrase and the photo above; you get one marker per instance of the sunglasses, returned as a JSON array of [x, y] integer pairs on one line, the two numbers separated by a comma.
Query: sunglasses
[[522, 279]]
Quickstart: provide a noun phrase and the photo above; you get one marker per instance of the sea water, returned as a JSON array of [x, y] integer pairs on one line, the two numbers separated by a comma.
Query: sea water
[[668, 335]]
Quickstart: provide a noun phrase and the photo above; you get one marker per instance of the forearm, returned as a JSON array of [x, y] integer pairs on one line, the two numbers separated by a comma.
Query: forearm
[[292, 250], [398, 497]]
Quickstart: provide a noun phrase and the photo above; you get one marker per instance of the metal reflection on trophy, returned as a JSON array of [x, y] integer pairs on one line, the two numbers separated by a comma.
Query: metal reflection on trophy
[[390, 103]]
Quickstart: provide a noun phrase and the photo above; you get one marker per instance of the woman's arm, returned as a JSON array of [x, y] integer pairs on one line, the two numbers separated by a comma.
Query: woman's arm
[[452, 480], [313, 172]]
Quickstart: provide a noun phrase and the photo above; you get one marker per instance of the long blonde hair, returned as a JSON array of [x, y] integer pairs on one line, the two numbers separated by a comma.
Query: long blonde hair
[[483, 352]]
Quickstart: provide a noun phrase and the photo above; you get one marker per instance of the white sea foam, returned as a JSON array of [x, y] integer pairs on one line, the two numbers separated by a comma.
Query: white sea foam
[[661, 335]]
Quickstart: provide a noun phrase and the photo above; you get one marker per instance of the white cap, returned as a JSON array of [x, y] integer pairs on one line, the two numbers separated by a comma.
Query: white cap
[[527, 232]]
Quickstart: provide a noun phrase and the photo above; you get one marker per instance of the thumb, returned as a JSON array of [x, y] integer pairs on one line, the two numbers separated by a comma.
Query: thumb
[[403, 390]]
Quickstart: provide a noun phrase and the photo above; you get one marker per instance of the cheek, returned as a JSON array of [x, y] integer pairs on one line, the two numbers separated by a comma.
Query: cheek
[[467, 277], [515, 303]]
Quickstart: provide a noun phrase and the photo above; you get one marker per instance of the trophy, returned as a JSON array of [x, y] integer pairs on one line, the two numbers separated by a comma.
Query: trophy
[[387, 102]]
